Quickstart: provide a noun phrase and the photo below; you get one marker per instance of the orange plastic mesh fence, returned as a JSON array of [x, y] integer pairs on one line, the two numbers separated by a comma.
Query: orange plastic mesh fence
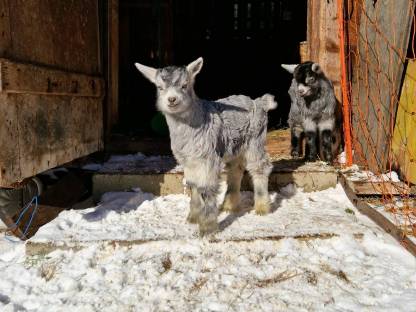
[[380, 98]]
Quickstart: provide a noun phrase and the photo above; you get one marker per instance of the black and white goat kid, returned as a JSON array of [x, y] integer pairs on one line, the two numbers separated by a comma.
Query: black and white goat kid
[[315, 113]]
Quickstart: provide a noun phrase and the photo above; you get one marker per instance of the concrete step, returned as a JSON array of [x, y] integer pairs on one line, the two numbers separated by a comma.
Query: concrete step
[[161, 175]]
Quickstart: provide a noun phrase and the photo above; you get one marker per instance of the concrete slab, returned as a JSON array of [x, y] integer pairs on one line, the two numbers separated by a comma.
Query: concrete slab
[[167, 178]]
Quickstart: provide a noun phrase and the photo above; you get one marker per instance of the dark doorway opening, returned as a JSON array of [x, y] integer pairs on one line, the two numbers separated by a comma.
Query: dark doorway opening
[[243, 43]]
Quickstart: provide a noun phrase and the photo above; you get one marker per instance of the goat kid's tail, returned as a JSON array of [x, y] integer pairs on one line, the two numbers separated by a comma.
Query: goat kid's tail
[[266, 102]]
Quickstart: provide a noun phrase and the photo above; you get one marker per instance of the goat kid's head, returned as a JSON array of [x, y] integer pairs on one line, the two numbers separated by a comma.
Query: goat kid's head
[[175, 85], [307, 76]]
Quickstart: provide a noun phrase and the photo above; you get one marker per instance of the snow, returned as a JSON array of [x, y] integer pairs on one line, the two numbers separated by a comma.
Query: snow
[[162, 218], [355, 174], [342, 158], [167, 268]]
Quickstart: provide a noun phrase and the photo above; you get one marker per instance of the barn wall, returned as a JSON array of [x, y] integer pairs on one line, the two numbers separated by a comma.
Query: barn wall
[[51, 89], [379, 37]]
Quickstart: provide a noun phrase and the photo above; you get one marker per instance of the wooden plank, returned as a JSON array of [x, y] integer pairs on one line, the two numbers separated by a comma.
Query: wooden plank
[[313, 35], [404, 137], [362, 188], [42, 248], [378, 218], [5, 37], [61, 34], [30, 79], [9, 149], [113, 66], [383, 38], [46, 131], [323, 39], [304, 51], [33, 134]]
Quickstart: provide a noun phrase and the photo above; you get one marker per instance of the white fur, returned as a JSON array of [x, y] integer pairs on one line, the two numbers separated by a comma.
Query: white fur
[[290, 67]]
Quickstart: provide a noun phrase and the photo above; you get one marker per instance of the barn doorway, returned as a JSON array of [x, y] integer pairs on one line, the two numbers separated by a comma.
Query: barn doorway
[[243, 43]]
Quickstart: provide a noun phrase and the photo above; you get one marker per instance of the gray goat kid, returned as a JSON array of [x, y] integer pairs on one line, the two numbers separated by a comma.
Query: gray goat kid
[[314, 113], [207, 134]]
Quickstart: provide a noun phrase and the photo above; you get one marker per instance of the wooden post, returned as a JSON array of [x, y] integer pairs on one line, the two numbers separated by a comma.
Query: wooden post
[[113, 65], [323, 40], [5, 36]]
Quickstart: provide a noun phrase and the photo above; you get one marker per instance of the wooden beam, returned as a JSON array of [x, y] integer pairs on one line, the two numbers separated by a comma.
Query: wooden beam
[[40, 132], [363, 206], [112, 66], [5, 36], [31, 79], [43, 248], [9, 138], [323, 40], [364, 188]]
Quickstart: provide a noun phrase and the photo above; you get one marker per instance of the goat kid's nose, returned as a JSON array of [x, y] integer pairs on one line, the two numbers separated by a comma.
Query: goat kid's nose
[[172, 99]]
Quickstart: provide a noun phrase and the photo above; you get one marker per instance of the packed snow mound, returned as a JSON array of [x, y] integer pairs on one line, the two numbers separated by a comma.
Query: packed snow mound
[[141, 216]]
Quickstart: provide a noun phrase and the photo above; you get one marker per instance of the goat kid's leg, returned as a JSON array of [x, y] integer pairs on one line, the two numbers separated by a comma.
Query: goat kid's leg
[[203, 177], [235, 172], [311, 142], [296, 136], [195, 206], [326, 137], [209, 211], [259, 168], [311, 136]]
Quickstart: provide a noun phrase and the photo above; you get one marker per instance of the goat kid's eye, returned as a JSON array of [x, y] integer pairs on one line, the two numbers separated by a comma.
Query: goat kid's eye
[[184, 86], [160, 88]]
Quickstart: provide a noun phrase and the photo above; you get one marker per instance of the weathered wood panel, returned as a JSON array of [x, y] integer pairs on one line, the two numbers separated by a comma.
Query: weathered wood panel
[[323, 39], [48, 118], [41, 132], [62, 34], [9, 149], [25, 78], [383, 38], [5, 38], [50, 93], [366, 188]]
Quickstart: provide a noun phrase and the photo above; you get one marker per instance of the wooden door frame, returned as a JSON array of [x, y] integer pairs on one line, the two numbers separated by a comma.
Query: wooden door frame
[[111, 70]]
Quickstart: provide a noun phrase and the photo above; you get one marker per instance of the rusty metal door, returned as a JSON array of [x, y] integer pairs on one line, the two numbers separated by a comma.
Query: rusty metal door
[[51, 86]]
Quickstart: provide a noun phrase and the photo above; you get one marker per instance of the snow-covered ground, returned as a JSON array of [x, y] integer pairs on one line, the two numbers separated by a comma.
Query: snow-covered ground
[[245, 267]]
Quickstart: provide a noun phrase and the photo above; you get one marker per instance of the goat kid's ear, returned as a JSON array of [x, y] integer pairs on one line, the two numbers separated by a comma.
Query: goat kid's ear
[[195, 67], [316, 68], [290, 67], [148, 72]]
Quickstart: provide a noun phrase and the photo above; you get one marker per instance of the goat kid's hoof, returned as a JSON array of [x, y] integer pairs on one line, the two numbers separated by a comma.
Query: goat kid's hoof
[[206, 228], [262, 208], [310, 158], [192, 218], [295, 154], [328, 160], [231, 204]]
